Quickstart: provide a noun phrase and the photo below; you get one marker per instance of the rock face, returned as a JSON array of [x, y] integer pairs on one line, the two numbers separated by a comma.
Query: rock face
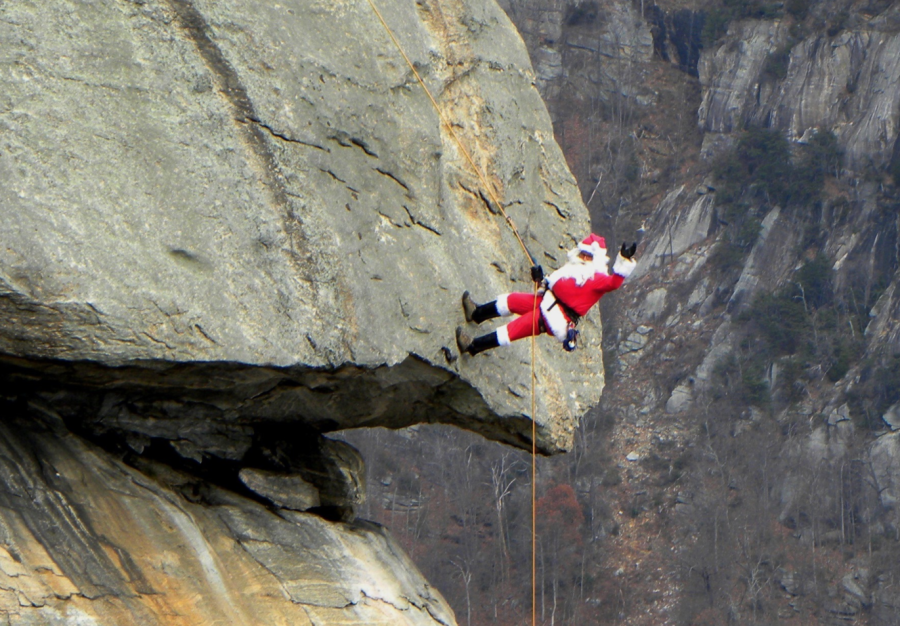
[[244, 183], [847, 82], [227, 228], [87, 539]]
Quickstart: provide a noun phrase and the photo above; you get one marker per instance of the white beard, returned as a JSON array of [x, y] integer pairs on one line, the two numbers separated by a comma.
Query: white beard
[[579, 269]]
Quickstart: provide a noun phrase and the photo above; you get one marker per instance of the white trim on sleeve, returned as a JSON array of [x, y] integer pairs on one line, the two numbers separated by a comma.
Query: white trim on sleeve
[[624, 267]]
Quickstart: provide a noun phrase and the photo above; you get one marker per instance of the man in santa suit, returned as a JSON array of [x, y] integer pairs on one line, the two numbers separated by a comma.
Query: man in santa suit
[[564, 297]]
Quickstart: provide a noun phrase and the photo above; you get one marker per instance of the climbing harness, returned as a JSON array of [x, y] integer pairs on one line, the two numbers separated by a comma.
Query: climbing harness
[[573, 317], [496, 201]]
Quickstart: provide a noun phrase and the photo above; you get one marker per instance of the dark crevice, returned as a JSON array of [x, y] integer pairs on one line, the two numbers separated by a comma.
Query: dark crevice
[[393, 178], [255, 133], [420, 224], [490, 205], [480, 195], [555, 206], [333, 175], [359, 143], [346, 141], [285, 138]]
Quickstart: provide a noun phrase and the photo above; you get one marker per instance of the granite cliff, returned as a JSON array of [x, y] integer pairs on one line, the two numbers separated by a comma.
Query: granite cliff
[[228, 228]]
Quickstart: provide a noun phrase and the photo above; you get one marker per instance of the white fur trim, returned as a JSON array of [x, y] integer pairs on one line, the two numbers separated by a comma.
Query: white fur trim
[[624, 267], [554, 318], [593, 249], [503, 305], [503, 336], [580, 270]]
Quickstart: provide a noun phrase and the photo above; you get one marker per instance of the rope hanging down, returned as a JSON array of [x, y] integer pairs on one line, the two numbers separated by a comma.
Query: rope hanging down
[[493, 197]]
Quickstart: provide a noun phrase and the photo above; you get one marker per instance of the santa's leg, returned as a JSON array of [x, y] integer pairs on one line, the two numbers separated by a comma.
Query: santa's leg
[[505, 305], [476, 345], [478, 313], [517, 303], [526, 325]]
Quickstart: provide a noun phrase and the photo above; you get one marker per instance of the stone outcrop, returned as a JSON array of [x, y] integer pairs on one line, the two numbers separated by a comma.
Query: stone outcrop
[[243, 183], [87, 539], [227, 228], [847, 82]]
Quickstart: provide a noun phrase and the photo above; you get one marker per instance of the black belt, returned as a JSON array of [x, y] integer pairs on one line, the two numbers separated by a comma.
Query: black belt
[[570, 313]]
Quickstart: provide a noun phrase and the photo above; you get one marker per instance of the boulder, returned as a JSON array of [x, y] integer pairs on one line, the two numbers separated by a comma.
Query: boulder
[[288, 491]]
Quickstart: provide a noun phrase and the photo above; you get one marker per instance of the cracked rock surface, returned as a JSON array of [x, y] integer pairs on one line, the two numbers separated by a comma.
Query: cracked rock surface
[[267, 186], [226, 228]]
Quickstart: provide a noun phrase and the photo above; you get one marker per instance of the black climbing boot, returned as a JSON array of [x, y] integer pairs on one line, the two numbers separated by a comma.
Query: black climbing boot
[[478, 313], [485, 342], [474, 346]]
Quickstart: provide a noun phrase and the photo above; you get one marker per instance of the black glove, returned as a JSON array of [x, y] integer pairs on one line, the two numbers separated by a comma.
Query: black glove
[[628, 251], [571, 341], [537, 273]]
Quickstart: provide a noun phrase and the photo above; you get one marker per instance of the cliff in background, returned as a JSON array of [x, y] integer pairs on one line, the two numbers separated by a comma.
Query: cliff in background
[[228, 228], [742, 465], [757, 344]]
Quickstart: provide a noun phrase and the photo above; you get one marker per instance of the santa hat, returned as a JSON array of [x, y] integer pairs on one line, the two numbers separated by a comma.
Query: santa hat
[[593, 245]]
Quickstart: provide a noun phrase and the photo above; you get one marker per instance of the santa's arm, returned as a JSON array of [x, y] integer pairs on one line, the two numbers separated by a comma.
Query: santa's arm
[[624, 266], [622, 269], [602, 283]]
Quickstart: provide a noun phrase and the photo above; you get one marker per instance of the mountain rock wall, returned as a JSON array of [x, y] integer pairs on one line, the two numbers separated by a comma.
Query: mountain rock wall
[[225, 229], [244, 183], [711, 375], [847, 82]]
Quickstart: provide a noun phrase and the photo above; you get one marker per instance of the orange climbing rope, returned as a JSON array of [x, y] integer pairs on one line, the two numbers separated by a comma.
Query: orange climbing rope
[[534, 331], [536, 324]]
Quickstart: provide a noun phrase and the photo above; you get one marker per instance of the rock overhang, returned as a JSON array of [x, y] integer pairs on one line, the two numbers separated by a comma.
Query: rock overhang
[[240, 191], [215, 408]]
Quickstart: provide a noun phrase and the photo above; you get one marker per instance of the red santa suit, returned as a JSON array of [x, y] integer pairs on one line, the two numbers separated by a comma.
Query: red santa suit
[[578, 285]]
